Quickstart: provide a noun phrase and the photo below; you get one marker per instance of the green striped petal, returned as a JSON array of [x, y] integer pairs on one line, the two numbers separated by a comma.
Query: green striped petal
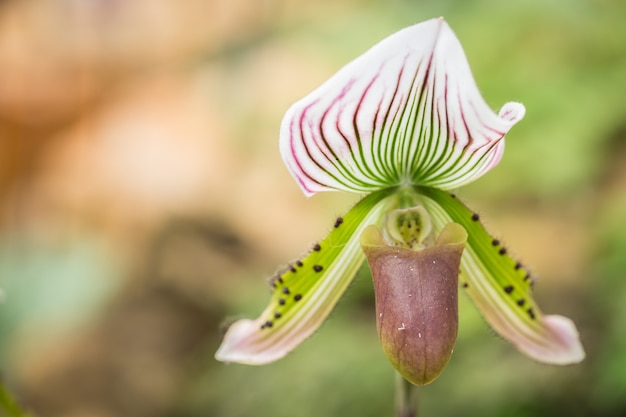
[[408, 111], [501, 288], [305, 293]]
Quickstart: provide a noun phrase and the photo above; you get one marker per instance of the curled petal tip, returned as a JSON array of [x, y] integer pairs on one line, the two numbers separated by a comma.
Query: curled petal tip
[[237, 346], [566, 348], [512, 112]]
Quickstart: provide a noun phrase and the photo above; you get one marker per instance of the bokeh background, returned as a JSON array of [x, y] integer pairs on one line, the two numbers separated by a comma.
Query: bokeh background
[[143, 202]]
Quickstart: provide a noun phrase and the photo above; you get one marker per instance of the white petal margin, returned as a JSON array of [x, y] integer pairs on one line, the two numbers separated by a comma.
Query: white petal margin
[[306, 292], [407, 111], [501, 288]]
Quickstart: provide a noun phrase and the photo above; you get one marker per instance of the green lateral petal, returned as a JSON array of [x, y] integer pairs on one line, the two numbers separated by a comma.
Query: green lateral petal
[[501, 288], [305, 294]]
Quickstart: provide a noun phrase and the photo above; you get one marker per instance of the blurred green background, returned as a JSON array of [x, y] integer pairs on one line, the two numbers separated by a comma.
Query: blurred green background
[[143, 202]]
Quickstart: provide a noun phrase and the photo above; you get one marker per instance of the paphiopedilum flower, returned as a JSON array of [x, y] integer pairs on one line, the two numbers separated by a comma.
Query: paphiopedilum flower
[[404, 123]]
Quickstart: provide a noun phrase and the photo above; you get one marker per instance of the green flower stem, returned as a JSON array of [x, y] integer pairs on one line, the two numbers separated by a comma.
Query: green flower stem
[[9, 405], [406, 397]]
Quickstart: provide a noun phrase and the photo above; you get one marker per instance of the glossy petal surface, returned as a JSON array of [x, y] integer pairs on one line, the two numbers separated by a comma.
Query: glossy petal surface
[[416, 301], [501, 288], [407, 111], [306, 292]]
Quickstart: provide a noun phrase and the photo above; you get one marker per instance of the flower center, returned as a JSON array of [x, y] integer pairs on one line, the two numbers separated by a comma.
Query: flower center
[[410, 228]]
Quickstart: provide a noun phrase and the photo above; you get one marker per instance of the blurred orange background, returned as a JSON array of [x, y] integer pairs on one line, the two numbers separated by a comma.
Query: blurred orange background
[[143, 200]]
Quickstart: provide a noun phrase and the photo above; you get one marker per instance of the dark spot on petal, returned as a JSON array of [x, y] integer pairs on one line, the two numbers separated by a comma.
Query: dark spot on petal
[[286, 290], [268, 323], [452, 195], [495, 242], [277, 315], [465, 285], [518, 266], [279, 279], [527, 276], [521, 302], [281, 301], [318, 268], [502, 251], [338, 221], [292, 269], [508, 289], [299, 263], [531, 313], [317, 247], [475, 217], [297, 297]]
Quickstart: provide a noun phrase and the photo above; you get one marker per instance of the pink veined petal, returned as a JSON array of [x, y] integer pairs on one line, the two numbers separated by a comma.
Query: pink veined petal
[[407, 111]]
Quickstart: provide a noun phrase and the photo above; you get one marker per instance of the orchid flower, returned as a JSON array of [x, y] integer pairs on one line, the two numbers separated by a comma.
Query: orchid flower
[[404, 123]]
